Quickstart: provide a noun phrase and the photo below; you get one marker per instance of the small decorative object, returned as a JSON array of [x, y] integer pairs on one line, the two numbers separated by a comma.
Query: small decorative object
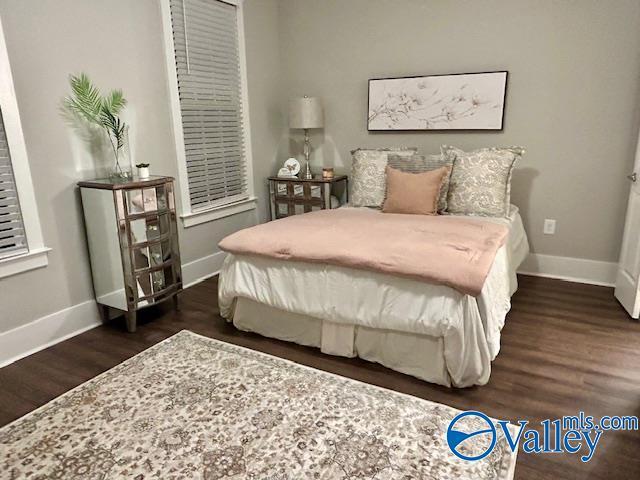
[[464, 101], [86, 103], [284, 172], [143, 170], [292, 166], [327, 173], [306, 113]]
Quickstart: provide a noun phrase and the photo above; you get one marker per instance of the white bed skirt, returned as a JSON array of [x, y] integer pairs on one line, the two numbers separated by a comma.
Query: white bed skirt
[[419, 355]]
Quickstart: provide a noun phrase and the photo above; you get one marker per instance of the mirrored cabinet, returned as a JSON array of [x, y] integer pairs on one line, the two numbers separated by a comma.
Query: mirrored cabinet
[[133, 243], [293, 195]]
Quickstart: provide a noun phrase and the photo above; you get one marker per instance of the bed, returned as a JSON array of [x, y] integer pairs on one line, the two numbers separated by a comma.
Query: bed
[[432, 332]]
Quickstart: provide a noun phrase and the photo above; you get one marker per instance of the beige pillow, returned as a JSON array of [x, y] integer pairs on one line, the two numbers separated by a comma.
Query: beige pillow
[[415, 193], [480, 182], [422, 163], [367, 175]]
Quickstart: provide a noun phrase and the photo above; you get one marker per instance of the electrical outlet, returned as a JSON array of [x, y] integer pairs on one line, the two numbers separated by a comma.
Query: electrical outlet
[[549, 226]]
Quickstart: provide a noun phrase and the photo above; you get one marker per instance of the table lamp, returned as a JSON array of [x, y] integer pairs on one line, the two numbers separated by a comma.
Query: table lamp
[[306, 113]]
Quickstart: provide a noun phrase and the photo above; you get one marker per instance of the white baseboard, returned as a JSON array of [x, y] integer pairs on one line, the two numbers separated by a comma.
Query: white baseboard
[[46, 331], [56, 327], [201, 269], [578, 270]]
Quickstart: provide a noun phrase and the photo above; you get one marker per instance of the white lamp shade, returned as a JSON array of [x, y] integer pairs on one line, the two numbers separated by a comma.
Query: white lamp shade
[[306, 112]]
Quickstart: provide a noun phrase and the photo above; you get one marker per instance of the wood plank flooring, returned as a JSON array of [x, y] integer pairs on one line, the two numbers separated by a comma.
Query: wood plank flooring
[[566, 347]]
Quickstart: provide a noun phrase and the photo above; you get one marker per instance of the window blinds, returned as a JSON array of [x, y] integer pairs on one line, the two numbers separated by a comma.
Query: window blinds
[[12, 237], [205, 37]]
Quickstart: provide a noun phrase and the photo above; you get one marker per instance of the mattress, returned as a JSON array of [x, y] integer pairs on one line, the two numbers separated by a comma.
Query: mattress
[[363, 313]]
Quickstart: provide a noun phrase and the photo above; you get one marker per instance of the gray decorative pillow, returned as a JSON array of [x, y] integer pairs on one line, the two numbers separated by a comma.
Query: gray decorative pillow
[[422, 163], [368, 177], [480, 182]]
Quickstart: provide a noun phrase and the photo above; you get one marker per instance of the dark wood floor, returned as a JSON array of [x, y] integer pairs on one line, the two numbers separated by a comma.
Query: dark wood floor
[[565, 347]]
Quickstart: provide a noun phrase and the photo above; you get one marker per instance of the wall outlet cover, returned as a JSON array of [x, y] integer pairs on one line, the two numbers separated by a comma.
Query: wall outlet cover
[[549, 226]]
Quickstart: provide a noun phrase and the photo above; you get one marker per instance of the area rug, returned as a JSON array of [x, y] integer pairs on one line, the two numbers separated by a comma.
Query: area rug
[[195, 408]]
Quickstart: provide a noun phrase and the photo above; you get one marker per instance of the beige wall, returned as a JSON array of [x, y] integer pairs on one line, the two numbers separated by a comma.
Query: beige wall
[[119, 43], [573, 102], [266, 93], [573, 93]]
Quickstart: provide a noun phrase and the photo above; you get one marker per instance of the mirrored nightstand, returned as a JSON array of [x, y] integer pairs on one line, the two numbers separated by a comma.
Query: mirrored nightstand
[[293, 195], [133, 243]]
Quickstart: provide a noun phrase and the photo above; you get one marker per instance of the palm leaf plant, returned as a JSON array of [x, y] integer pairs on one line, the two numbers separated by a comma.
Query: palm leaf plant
[[87, 103]]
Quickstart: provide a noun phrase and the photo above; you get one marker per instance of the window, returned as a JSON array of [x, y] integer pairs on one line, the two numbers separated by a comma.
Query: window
[[12, 238], [206, 51], [21, 246]]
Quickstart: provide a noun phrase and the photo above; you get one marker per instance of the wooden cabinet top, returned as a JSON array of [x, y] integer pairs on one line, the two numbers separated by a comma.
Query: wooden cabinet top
[[316, 179], [135, 182]]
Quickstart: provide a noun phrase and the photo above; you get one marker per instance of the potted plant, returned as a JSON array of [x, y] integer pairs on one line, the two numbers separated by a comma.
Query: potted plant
[[87, 104], [143, 170]]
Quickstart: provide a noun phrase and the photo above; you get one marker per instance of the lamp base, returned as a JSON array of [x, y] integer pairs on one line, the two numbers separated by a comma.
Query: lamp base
[[307, 151]]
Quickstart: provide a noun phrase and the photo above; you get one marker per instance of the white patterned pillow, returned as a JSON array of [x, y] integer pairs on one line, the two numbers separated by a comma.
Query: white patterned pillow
[[425, 163], [480, 182], [368, 177]]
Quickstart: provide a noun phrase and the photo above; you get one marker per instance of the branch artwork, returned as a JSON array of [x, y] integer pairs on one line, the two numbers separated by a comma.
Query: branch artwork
[[439, 102]]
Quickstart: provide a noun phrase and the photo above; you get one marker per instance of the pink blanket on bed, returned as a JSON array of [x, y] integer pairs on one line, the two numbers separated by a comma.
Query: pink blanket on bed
[[443, 250]]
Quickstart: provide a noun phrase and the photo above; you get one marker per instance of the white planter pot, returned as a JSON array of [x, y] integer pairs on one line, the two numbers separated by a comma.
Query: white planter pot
[[143, 172]]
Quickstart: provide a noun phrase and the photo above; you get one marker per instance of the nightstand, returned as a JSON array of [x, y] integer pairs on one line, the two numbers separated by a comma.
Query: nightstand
[[293, 195], [133, 243]]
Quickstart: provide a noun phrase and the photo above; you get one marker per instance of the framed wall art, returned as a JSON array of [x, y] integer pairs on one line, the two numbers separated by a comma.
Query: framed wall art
[[462, 101]]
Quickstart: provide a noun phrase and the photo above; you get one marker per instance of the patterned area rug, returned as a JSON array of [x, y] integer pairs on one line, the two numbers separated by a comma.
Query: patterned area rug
[[196, 408]]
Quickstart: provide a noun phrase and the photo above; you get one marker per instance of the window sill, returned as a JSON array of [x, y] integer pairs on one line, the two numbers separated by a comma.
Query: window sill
[[196, 218], [37, 258]]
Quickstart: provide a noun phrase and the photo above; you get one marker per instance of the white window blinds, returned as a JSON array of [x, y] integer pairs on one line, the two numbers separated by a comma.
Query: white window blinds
[[12, 237], [205, 37]]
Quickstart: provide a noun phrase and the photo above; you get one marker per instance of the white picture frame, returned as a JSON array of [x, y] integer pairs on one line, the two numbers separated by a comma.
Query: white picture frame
[[462, 101]]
